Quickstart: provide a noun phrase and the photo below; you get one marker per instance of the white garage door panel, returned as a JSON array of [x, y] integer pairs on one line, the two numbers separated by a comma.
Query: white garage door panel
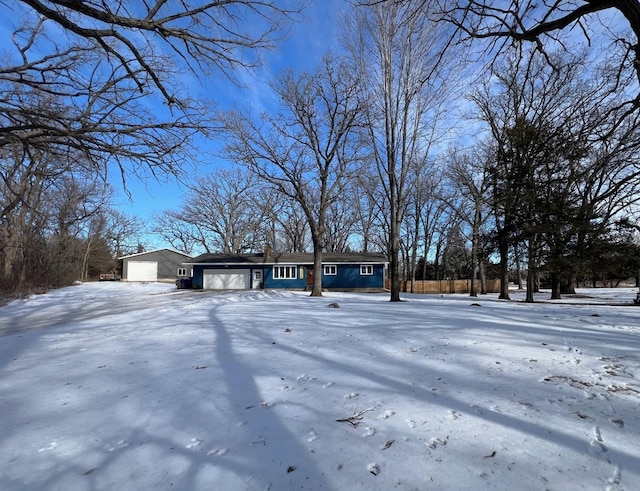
[[229, 279], [142, 271]]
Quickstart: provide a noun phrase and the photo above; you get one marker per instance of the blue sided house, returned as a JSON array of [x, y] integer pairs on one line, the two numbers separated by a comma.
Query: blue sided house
[[346, 271]]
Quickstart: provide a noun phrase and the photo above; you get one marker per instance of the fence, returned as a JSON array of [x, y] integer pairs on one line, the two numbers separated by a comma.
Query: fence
[[446, 286]]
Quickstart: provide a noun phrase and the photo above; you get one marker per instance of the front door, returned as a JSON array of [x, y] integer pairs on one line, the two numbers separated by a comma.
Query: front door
[[256, 282], [309, 278]]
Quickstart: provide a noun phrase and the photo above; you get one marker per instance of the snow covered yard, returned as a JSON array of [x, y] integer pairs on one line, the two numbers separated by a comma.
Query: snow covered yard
[[131, 386]]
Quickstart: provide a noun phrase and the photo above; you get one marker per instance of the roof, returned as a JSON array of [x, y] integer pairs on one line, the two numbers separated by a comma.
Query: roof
[[155, 250], [289, 258]]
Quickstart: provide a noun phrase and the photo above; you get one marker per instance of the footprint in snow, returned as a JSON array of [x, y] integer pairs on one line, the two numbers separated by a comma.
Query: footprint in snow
[[596, 433], [305, 378], [434, 442], [596, 445], [369, 432], [217, 452], [454, 414], [120, 444], [373, 468], [51, 446], [411, 423], [313, 436], [386, 415], [616, 477], [194, 442], [351, 395]]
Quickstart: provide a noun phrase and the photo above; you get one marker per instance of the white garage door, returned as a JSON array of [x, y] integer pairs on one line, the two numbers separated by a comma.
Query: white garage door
[[142, 271], [229, 279]]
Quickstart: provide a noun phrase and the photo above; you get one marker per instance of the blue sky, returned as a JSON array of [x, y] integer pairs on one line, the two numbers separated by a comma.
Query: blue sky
[[304, 47], [306, 42]]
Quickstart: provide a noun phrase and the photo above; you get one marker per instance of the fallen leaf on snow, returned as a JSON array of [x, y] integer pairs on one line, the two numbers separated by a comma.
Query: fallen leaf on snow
[[388, 444]]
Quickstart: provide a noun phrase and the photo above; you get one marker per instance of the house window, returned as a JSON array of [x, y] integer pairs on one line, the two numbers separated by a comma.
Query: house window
[[182, 272], [330, 270], [366, 269], [284, 272]]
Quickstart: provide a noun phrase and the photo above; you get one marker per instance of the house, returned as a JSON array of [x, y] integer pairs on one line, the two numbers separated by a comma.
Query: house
[[346, 271], [159, 265]]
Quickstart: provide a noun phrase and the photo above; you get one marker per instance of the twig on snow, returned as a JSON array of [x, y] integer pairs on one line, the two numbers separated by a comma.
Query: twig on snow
[[356, 418]]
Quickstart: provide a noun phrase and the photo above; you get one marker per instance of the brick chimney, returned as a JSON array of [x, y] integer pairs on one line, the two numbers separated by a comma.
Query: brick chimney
[[268, 250]]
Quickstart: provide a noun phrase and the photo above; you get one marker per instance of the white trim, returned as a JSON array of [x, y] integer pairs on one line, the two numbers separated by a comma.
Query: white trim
[[287, 270], [327, 269], [362, 271], [155, 250]]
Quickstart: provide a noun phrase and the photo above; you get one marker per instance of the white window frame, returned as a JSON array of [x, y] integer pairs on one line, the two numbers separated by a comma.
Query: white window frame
[[366, 270], [330, 269], [183, 272], [285, 272]]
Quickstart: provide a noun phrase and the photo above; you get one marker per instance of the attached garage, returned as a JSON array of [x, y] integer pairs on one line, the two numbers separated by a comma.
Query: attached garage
[[143, 271], [227, 279]]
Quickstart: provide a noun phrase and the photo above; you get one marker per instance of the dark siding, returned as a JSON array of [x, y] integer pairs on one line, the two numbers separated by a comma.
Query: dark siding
[[168, 263], [270, 282], [349, 277], [196, 282]]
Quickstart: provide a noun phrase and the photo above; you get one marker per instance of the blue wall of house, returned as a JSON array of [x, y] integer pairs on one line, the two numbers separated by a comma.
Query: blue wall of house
[[348, 276], [297, 283], [196, 282]]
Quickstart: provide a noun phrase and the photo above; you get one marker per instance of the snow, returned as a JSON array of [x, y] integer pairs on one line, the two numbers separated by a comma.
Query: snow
[[141, 386]]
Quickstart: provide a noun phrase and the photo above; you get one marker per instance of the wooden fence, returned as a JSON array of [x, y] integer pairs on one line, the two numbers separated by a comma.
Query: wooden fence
[[446, 286]]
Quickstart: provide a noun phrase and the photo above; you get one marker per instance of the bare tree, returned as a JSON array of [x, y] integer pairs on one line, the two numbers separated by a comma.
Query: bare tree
[[181, 234], [93, 90], [124, 232], [219, 213], [341, 220], [401, 60], [555, 25], [290, 226], [309, 151], [207, 37], [423, 199], [371, 219], [467, 173]]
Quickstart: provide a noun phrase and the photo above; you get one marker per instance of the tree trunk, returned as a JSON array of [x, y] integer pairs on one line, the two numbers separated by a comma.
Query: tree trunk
[[483, 279], [503, 248], [555, 286], [518, 269], [474, 250], [568, 286], [394, 236], [414, 264], [531, 272], [316, 238]]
